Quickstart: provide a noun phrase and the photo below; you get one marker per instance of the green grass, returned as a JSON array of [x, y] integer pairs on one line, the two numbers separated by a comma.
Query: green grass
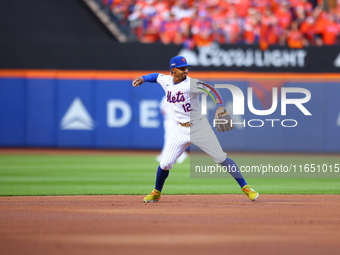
[[105, 174]]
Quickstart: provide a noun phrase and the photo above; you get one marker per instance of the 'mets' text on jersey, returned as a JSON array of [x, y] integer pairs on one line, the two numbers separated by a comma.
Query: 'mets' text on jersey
[[183, 97], [179, 97]]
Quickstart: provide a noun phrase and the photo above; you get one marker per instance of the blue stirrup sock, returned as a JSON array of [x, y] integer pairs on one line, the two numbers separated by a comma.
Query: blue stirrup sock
[[234, 171], [160, 178]]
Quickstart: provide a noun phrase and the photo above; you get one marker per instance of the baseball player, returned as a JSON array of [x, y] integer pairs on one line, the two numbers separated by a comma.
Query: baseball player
[[182, 94], [168, 124]]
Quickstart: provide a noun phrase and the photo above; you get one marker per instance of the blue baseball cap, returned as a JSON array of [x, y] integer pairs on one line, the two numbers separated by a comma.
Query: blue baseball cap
[[178, 61]]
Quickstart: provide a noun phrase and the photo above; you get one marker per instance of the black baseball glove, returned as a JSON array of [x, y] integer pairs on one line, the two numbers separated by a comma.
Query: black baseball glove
[[222, 120]]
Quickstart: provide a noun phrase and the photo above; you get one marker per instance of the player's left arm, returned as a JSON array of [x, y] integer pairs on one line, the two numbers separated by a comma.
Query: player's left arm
[[152, 77]]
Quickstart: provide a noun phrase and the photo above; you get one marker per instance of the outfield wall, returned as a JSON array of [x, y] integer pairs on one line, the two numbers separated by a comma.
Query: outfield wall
[[102, 110]]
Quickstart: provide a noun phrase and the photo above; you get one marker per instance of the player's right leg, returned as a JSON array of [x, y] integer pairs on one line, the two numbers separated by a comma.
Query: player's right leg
[[174, 147]]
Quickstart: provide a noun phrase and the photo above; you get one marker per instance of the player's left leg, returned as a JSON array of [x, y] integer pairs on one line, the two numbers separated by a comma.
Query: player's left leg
[[235, 172], [203, 136]]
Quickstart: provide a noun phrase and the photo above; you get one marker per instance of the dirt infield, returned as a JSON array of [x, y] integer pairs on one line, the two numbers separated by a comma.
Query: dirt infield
[[191, 224]]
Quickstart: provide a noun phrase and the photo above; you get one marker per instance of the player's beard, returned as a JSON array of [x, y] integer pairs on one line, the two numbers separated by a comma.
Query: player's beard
[[184, 76]]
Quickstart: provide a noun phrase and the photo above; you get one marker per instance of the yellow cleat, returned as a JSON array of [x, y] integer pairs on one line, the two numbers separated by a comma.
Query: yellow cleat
[[250, 192], [154, 196]]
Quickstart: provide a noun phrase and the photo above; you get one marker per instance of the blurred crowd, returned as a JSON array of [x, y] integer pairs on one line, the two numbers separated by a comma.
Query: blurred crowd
[[296, 23]]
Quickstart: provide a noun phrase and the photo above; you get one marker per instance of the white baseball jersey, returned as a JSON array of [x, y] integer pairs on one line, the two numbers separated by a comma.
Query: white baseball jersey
[[183, 97]]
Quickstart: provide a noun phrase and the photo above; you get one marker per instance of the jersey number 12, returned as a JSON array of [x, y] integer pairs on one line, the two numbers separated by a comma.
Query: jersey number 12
[[186, 107]]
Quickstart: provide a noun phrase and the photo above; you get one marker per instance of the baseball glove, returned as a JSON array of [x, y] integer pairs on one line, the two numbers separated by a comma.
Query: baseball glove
[[222, 120]]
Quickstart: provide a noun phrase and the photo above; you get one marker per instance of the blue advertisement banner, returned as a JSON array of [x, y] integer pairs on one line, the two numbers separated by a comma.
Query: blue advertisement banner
[[75, 113], [332, 119], [110, 113], [114, 113], [41, 125], [13, 112]]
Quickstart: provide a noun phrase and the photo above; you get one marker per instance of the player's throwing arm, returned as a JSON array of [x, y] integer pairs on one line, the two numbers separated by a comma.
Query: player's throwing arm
[[137, 81]]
